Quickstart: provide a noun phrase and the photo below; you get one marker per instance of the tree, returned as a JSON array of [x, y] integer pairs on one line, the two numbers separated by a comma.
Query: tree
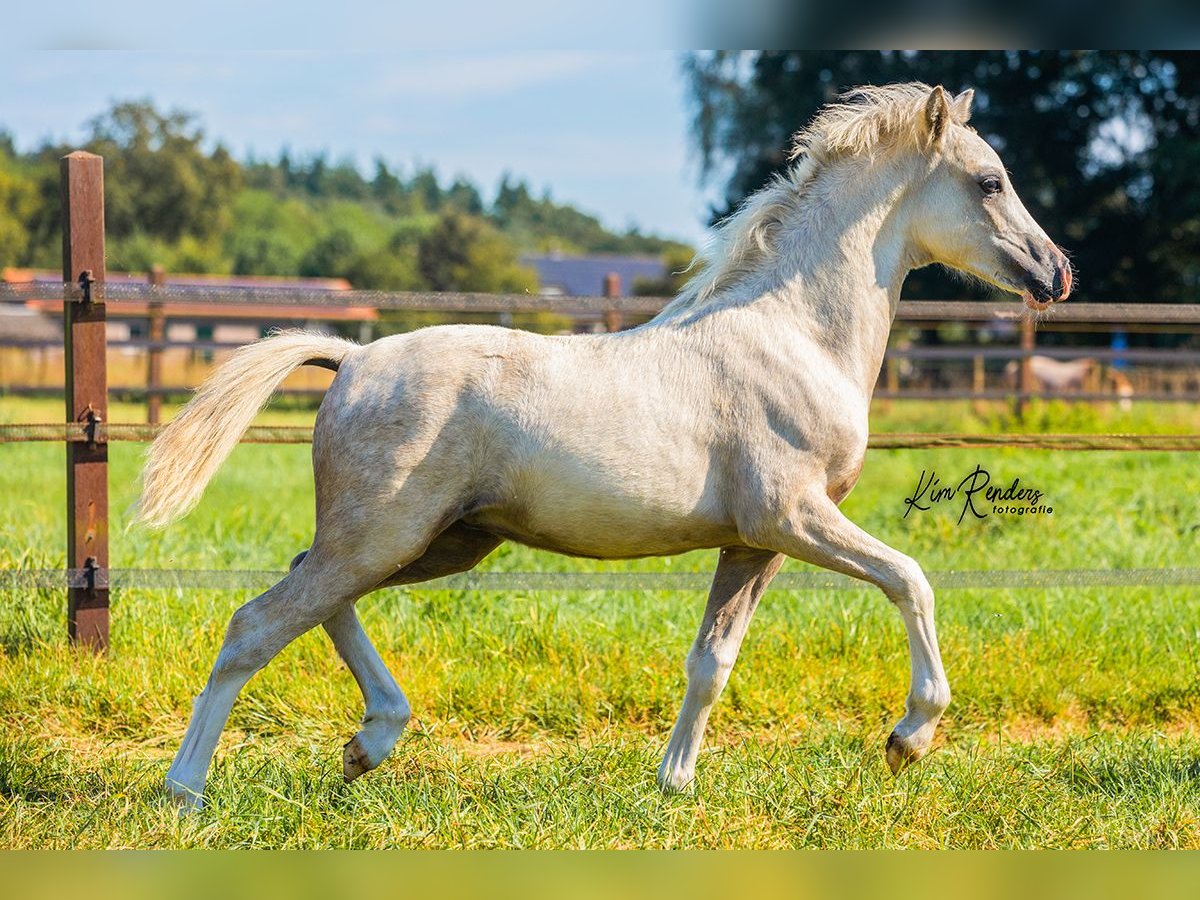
[[18, 201], [269, 235], [544, 224], [176, 199], [387, 189], [465, 253], [463, 196], [333, 255], [159, 178], [1100, 145]]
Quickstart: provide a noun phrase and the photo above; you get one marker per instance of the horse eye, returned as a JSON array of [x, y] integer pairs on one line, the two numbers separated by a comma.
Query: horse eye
[[990, 184]]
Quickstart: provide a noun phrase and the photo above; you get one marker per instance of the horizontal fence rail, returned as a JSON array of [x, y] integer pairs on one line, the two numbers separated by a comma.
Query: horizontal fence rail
[[1000, 394], [964, 353], [1122, 313], [969, 353], [103, 432], [259, 580], [422, 301], [880, 394]]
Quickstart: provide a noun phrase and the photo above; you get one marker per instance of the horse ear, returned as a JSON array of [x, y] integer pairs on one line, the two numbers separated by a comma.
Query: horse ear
[[961, 106], [937, 115]]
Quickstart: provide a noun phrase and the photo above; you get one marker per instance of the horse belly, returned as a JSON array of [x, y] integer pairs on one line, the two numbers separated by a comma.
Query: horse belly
[[607, 515]]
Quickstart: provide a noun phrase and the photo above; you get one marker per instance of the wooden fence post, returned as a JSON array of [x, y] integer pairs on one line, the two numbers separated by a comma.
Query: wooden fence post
[[1025, 386], [157, 333], [612, 290], [81, 180], [978, 384], [891, 375]]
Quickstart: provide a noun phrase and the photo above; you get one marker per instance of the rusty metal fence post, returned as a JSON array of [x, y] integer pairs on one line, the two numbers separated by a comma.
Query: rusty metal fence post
[[156, 333], [81, 180]]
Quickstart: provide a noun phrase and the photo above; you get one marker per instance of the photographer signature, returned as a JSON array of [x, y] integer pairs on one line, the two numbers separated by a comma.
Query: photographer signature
[[976, 493]]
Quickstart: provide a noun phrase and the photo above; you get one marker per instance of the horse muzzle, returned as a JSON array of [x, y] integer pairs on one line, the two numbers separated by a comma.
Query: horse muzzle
[[1049, 280]]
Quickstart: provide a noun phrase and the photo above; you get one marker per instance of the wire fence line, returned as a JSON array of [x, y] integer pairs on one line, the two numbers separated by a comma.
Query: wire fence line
[[132, 390], [110, 432], [530, 582]]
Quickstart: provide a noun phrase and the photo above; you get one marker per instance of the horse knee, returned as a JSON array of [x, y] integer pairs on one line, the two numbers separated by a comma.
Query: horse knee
[[908, 588]]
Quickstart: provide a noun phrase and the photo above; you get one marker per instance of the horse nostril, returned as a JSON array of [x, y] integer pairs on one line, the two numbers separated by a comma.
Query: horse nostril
[[1062, 273], [1062, 281]]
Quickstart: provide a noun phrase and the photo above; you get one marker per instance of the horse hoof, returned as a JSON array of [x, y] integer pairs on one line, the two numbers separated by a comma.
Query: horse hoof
[[675, 782], [355, 761], [901, 754], [186, 799]]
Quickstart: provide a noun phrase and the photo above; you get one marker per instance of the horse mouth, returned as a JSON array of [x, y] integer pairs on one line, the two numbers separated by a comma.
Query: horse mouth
[[1033, 303]]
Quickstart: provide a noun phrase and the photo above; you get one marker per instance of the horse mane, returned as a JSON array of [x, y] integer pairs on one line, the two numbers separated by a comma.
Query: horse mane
[[865, 121]]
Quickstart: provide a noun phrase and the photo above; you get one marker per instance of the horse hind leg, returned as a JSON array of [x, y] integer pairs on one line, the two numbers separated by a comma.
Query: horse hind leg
[[386, 709], [257, 631], [323, 582]]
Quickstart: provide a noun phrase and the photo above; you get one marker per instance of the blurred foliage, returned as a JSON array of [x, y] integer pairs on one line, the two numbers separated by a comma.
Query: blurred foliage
[[465, 253], [543, 224], [159, 180], [1104, 147], [681, 266], [18, 201], [175, 198]]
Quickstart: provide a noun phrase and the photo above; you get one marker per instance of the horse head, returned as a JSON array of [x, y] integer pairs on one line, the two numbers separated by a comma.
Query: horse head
[[966, 214]]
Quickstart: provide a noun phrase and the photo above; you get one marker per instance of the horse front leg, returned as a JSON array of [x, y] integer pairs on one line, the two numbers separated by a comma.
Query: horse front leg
[[741, 577], [817, 532]]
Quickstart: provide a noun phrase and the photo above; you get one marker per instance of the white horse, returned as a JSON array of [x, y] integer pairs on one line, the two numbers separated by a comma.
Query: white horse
[[1068, 377], [736, 419], [1051, 374]]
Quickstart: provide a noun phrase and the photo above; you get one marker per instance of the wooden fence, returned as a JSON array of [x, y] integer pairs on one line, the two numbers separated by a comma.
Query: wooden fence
[[87, 433], [957, 372]]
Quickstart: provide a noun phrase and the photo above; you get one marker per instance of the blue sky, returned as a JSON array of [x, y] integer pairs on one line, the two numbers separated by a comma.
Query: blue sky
[[605, 130]]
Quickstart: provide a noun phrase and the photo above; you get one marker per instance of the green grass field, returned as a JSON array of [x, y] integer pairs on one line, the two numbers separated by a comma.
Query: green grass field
[[539, 718]]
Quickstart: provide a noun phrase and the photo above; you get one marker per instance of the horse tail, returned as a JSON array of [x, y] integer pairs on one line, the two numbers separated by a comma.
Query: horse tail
[[188, 452]]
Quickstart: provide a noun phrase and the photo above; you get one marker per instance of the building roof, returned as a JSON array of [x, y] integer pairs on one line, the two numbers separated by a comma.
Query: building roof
[[583, 276], [282, 282], [19, 323]]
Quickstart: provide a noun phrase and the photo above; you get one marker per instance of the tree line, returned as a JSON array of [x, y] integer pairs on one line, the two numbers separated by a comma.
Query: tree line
[[173, 198]]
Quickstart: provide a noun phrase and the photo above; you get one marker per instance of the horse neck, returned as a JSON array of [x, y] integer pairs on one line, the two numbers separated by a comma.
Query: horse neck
[[842, 257]]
